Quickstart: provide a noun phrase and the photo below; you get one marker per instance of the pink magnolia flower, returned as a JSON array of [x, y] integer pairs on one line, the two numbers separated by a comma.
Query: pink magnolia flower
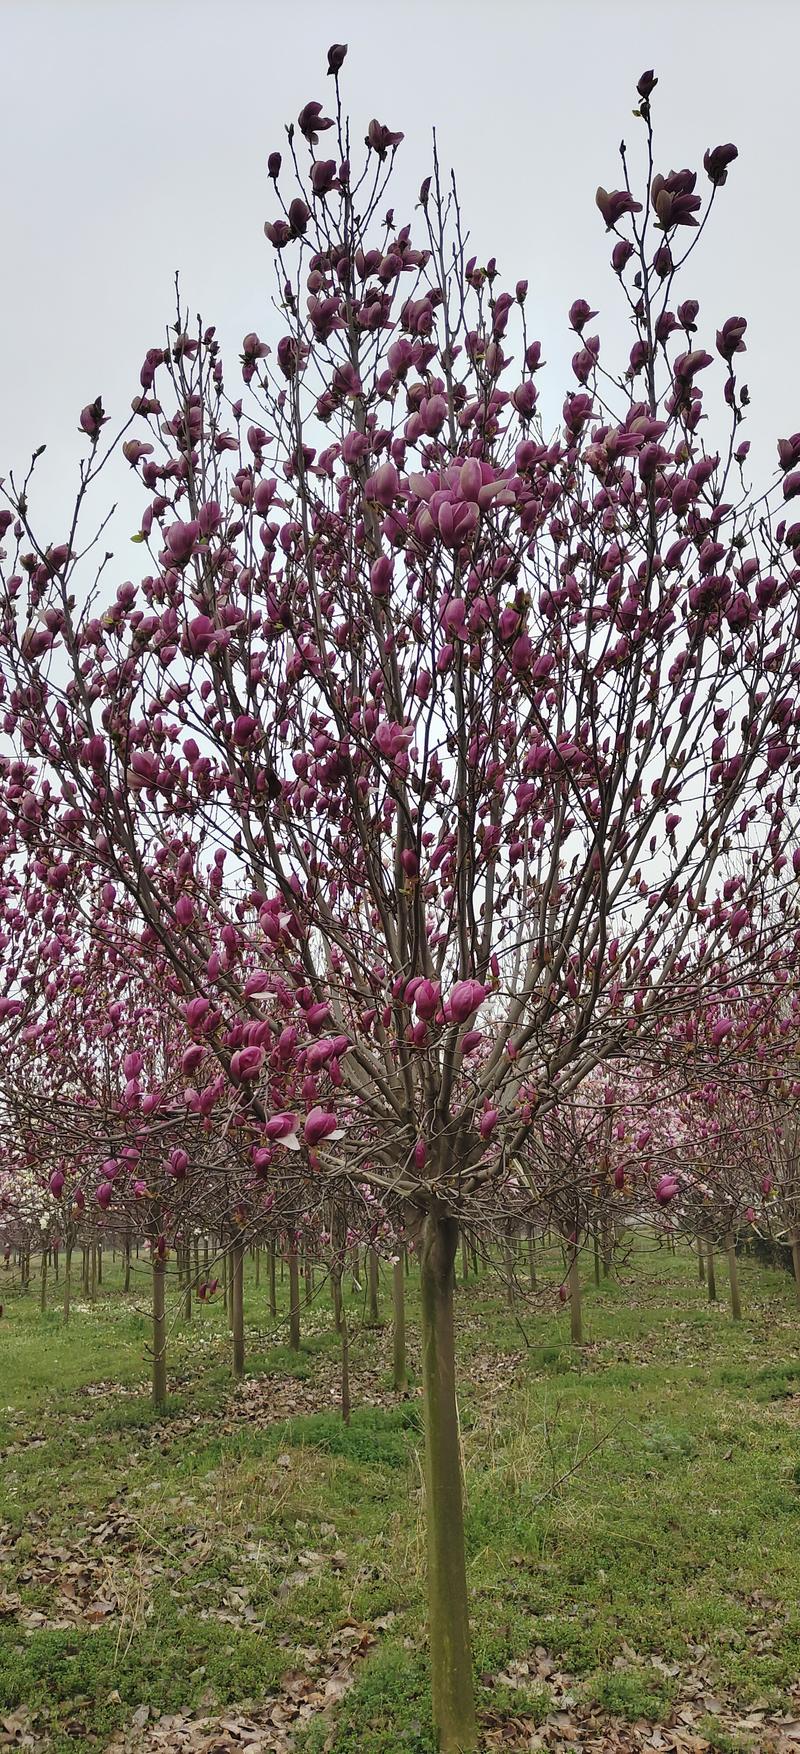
[[321, 1124], [465, 999]]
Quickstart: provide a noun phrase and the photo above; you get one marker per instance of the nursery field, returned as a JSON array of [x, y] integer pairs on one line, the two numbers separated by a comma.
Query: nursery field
[[245, 1572]]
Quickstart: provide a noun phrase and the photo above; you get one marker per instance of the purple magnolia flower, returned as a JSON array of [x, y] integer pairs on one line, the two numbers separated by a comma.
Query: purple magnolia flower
[[380, 139], [321, 1124], [312, 123], [716, 161], [614, 203], [465, 998]]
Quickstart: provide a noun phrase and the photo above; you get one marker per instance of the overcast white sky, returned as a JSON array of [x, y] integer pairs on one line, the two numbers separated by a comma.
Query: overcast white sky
[[134, 140]]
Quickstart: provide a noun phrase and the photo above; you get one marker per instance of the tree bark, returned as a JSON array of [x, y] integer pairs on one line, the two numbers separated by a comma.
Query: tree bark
[[733, 1276], [701, 1262], [372, 1285], [712, 1278], [508, 1257], [273, 1294], [43, 1283], [575, 1310], [294, 1297], [336, 1295], [796, 1261], [237, 1305], [127, 1283], [159, 1333], [67, 1279], [399, 1333], [345, 1402], [451, 1658]]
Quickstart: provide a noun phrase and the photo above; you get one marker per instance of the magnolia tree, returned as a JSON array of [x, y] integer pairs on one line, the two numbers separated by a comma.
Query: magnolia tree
[[482, 718]]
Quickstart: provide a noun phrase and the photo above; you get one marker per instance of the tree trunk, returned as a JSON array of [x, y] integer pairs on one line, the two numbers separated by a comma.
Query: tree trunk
[[127, 1283], [294, 1297], [308, 1270], [508, 1255], [85, 1273], [796, 1261], [159, 1333], [575, 1312], [99, 1263], [712, 1281], [43, 1283], [451, 1659], [596, 1241], [346, 1397], [237, 1305], [701, 1262], [67, 1279], [336, 1295], [93, 1273], [187, 1298], [608, 1246], [733, 1277], [464, 1259], [273, 1293], [372, 1288], [399, 1301]]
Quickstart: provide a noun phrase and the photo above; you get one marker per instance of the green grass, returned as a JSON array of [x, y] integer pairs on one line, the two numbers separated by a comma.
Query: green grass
[[628, 1506]]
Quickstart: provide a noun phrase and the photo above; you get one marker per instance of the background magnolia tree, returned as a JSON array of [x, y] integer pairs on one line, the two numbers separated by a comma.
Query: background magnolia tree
[[473, 748]]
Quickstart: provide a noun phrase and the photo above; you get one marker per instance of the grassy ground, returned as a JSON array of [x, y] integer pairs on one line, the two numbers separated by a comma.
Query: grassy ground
[[633, 1521]]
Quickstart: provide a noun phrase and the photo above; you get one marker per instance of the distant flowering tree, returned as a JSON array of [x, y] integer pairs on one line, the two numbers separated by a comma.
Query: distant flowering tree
[[484, 721]]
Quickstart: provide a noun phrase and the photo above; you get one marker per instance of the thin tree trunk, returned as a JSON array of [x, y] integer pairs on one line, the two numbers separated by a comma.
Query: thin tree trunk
[[99, 1263], [733, 1276], [308, 1270], [85, 1272], [67, 1279], [336, 1296], [159, 1333], [345, 1377], [127, 1281], [294, 1297], [372, 1282], [701, 1262], [464, 1259], [273, 1293], [575, 1312], [596, 1242], [43, 1283], [237, 1305], [796, 1261], [451, 1658], [258, 1266], [187, 1297], [399, 1301], [508, 1256], [93, 1274], [712, 1280]]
